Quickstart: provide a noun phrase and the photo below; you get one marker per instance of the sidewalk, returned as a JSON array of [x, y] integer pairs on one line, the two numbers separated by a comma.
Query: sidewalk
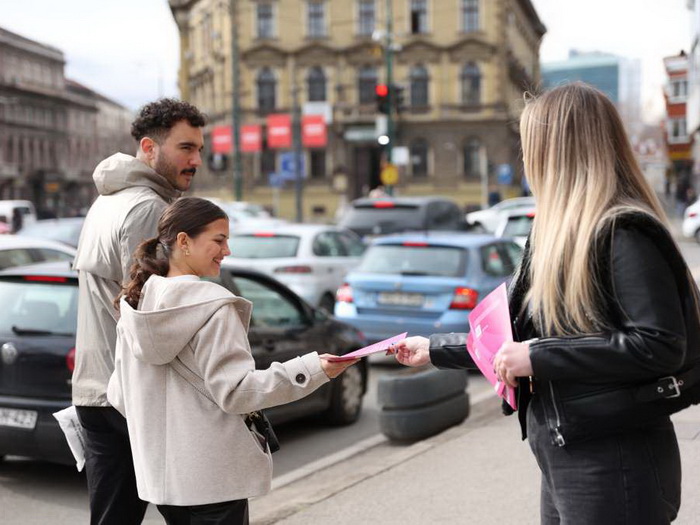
[[477, 472]]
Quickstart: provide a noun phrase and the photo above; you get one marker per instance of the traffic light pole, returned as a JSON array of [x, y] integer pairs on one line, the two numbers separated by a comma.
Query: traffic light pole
[[388, 54], [236, 105]]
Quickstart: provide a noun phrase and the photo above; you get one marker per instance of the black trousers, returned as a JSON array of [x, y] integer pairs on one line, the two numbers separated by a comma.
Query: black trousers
[[109, 468], [632, 478], [225, 513]]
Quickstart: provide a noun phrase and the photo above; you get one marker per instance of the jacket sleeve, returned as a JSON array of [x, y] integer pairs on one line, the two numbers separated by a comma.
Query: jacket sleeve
[[449, 351], [223, 357], [650, 342], [140, 224]]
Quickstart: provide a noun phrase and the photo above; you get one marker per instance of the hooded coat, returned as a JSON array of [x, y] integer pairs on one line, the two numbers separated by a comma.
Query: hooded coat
[[187, 449], [132, 199]]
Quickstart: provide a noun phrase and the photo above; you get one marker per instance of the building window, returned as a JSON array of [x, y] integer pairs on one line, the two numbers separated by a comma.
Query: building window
[[419, 86], [472, 158], [266, 90], [677, 130], [365, 17], [471, 84], [366, 84], [679, 90], [316, 19], [470, 15], [265, 20], [419, 16], [268, 163], [317, 162], [419, 158], [316, 84]]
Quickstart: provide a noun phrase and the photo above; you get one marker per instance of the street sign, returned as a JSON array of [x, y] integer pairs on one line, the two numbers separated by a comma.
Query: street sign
[[400, 156], [389, 175], [505, 174], [287, 168]]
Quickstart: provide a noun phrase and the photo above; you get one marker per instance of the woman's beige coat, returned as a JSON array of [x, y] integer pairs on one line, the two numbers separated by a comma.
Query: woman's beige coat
[[188, 450]]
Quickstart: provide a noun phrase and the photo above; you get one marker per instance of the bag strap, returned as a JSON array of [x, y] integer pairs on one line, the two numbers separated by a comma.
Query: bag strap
[[192, 378]]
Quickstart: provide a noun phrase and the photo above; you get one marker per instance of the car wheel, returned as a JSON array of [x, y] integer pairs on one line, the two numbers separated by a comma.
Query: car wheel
[[327, 303], [346, 397]]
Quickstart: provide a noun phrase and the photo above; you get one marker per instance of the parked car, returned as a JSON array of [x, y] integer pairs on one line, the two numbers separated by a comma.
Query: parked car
[[26, 209], [312, 259], [423, 283], [65, 230], [691, 221], [372, 217], [516, 224], [490, 218], [37, 352], [246, 214], [17, 250]]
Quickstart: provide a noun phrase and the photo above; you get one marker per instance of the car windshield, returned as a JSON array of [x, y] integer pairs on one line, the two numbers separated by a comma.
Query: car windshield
[[388, 219], [439, 261], [263, 246], [38, 308], [67, 232], [518, 226]]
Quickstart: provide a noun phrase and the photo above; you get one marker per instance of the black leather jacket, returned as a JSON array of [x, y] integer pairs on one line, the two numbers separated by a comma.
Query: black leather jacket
[[619, 379]]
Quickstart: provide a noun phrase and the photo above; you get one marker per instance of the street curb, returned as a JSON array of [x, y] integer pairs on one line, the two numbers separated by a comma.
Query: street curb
[[305, 490]]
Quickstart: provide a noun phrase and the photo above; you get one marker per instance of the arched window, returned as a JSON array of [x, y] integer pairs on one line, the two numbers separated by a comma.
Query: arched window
[[316, 82], [419, 86], [419, 158], [472, 158], [267, 85], [366, 84], [471, 84]]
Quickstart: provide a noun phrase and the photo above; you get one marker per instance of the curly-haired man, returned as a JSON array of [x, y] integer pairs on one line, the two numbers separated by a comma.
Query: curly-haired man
[[133, 192]]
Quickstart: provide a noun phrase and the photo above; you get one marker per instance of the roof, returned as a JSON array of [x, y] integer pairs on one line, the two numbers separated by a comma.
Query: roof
[[11, 242], [49, 269], [285, 229], [443, 238]]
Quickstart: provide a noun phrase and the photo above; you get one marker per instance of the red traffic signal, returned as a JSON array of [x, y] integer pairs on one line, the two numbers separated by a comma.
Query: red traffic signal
[[382, 90]]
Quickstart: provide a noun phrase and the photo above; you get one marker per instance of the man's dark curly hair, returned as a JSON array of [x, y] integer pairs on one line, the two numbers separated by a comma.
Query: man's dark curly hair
[[155, 120]]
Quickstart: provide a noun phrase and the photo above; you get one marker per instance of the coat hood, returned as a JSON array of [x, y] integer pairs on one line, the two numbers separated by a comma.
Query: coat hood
[[170, 313], [122, 171]]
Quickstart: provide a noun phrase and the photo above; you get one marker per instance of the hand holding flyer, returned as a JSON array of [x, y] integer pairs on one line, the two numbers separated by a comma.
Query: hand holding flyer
[[380, 346], [490, 327]]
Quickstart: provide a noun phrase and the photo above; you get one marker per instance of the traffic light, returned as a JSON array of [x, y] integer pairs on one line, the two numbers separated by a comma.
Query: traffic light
[[397, 99], [382, 92]]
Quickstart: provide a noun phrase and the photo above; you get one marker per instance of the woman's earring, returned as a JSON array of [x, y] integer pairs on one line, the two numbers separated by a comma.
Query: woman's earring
[[187, 252]]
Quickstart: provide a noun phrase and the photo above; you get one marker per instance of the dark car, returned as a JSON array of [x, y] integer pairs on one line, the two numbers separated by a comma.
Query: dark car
[[37, 352], [370, 217], [65, 230]]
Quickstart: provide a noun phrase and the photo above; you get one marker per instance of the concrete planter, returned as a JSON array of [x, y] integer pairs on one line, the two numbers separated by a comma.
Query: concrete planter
[[420, 405]]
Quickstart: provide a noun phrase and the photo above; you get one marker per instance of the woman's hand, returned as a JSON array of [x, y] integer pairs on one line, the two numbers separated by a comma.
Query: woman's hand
[[335, 368], [512, 361], [412, 351]]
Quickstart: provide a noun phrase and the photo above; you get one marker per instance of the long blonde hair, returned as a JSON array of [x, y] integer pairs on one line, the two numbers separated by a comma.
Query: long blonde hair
[[583, 174]]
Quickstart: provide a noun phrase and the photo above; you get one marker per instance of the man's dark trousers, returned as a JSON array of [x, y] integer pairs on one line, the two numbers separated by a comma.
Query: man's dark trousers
[[110, 468]]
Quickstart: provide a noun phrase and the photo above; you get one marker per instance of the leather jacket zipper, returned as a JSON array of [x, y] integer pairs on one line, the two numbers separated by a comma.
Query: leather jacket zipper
[[556, 431]]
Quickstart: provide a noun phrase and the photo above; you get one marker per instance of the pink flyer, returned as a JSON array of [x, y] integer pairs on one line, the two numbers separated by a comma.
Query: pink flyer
[[490, 327]]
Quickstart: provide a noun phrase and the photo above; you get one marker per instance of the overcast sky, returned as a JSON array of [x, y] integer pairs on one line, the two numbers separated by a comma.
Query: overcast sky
[[128, 49]]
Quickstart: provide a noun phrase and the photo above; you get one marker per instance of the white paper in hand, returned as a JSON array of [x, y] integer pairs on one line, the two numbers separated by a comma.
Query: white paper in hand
[[73, 430]]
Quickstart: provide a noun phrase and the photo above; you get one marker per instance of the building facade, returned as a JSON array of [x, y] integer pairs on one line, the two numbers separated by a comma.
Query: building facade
[[619, 78], [693, 88], [463, 66], [52, 129], [679, 143]]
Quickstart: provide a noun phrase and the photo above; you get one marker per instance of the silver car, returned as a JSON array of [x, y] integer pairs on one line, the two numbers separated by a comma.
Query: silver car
[[490, 218], [311, 259]]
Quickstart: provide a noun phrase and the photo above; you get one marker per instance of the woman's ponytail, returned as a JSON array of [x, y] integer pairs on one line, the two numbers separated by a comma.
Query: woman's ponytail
[[150, 258]]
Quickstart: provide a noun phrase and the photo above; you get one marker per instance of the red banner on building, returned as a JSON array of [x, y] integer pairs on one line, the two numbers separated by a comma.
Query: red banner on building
[[313, 131], [251, 138], [221, 140], [279, 131]]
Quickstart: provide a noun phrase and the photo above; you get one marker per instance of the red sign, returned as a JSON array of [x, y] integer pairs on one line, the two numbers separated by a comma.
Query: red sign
[[221, 141], [313, 131], [279, 131], [251, 138]]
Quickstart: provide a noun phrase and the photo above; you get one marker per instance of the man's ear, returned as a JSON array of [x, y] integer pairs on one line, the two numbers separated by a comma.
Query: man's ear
[[148, 147]]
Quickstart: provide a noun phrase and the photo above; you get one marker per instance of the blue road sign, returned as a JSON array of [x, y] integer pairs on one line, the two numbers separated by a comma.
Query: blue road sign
[[505, 174], [287, 168]]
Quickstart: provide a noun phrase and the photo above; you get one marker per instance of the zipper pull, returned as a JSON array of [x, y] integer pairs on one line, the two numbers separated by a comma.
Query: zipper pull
[[558, 438]]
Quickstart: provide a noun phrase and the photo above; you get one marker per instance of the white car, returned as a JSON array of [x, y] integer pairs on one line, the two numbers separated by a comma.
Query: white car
[[16, 250], [691, 221], [311, 259], [246, 215], [490, 218], [516, 224]]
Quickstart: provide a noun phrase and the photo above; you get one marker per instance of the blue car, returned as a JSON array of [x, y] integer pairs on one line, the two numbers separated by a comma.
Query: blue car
[[423, 283]]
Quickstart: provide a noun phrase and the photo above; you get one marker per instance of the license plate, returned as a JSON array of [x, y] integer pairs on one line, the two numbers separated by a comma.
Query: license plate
[[12, 417], [401, 298]]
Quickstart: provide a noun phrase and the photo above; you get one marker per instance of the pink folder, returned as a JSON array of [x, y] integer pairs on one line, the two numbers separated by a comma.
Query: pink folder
[[490, 327], [381, 346]]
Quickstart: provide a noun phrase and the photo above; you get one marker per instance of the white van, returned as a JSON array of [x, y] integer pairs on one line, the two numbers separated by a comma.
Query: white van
[[26, 208]]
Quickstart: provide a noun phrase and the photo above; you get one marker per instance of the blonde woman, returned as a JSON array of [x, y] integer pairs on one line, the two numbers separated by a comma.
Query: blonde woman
[[608, 312]]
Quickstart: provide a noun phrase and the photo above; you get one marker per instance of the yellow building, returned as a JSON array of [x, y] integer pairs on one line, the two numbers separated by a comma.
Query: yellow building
[[463, 66]]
